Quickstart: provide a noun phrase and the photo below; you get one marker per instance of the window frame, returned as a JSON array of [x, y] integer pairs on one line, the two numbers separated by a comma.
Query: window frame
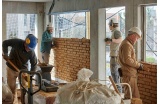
[[87, 22], [143, 18]]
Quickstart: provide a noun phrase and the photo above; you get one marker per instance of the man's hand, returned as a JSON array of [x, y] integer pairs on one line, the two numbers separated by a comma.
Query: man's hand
[[108, 39], [140, 67], [25, 77], [53, 46], [5, 57], [143, 67]]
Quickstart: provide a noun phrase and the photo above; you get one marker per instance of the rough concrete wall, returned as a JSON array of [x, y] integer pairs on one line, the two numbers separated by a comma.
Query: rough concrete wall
[[147, 83], [22, 8], [71, 55]]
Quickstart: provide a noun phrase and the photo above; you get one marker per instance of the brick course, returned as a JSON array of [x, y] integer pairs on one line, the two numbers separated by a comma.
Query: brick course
[[71, 55], [147, 84]]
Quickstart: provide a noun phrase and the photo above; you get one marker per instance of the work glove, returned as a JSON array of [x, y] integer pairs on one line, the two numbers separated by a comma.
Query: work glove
[[140, 67], [108, 39], [53, 45], [6, 57]]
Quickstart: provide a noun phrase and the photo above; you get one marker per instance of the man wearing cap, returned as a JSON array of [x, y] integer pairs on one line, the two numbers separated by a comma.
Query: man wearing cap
[[114, 41], [46, 43], [21, 52], [128, 62]]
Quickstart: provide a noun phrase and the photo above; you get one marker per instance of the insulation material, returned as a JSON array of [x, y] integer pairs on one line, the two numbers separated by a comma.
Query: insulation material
[[84, 74], [86, 92], [6, 93]]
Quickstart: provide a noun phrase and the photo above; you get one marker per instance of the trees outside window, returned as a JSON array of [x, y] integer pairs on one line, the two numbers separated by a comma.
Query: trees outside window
[[150, 34], [70, 25]]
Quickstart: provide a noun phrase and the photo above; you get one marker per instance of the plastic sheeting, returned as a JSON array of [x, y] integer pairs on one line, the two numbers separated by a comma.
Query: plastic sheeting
[[85, 92], [7, 95], [84, 74]]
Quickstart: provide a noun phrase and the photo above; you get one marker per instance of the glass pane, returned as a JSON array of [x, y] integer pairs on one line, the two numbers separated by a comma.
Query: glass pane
[[20, 25], [119, 14], [151, 57], [70, 25], [108, 73], [151, 33]]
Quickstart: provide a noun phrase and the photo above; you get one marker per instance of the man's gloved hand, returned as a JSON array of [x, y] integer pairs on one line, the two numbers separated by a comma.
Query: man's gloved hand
[[108, 39], [140, 67], [25, 76], [6, 57], [53, 46]]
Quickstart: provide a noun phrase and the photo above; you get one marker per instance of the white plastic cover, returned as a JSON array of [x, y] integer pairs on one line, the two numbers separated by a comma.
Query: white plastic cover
[[6, 93], [86, 92], [84, 74]]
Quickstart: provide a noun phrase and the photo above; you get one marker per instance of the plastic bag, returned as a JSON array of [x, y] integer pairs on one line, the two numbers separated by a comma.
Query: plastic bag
[[85, 92], [6, 93], [84, 74]]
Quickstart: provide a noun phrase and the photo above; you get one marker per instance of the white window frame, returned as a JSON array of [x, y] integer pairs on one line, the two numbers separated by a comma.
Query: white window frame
[[143, 50]]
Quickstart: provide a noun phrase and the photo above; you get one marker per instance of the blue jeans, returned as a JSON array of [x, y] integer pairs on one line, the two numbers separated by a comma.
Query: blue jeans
[[114, 72]]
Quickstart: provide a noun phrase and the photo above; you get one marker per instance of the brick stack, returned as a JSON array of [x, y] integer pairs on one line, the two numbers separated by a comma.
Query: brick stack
[[71, 55], [147, 84]]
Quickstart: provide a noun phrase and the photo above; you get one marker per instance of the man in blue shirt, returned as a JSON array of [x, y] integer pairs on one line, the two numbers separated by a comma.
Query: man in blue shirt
[[46, 43]]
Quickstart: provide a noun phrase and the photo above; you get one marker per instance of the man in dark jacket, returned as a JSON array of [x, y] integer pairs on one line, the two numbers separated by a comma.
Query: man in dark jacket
[[21, 52]]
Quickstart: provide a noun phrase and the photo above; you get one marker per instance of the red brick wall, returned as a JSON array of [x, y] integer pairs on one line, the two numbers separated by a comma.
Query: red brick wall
[[71, 55], [147, 83]]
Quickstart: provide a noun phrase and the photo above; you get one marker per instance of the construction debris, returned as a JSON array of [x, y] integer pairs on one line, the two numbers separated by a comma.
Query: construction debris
[[86, 92], [7, 95]]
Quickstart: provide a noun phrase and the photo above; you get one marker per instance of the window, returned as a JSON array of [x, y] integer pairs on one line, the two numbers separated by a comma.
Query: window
[[70, 25], [25, 19], [150, 34], [20, 25], [32, 22], [119, 14], [12, 26]]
